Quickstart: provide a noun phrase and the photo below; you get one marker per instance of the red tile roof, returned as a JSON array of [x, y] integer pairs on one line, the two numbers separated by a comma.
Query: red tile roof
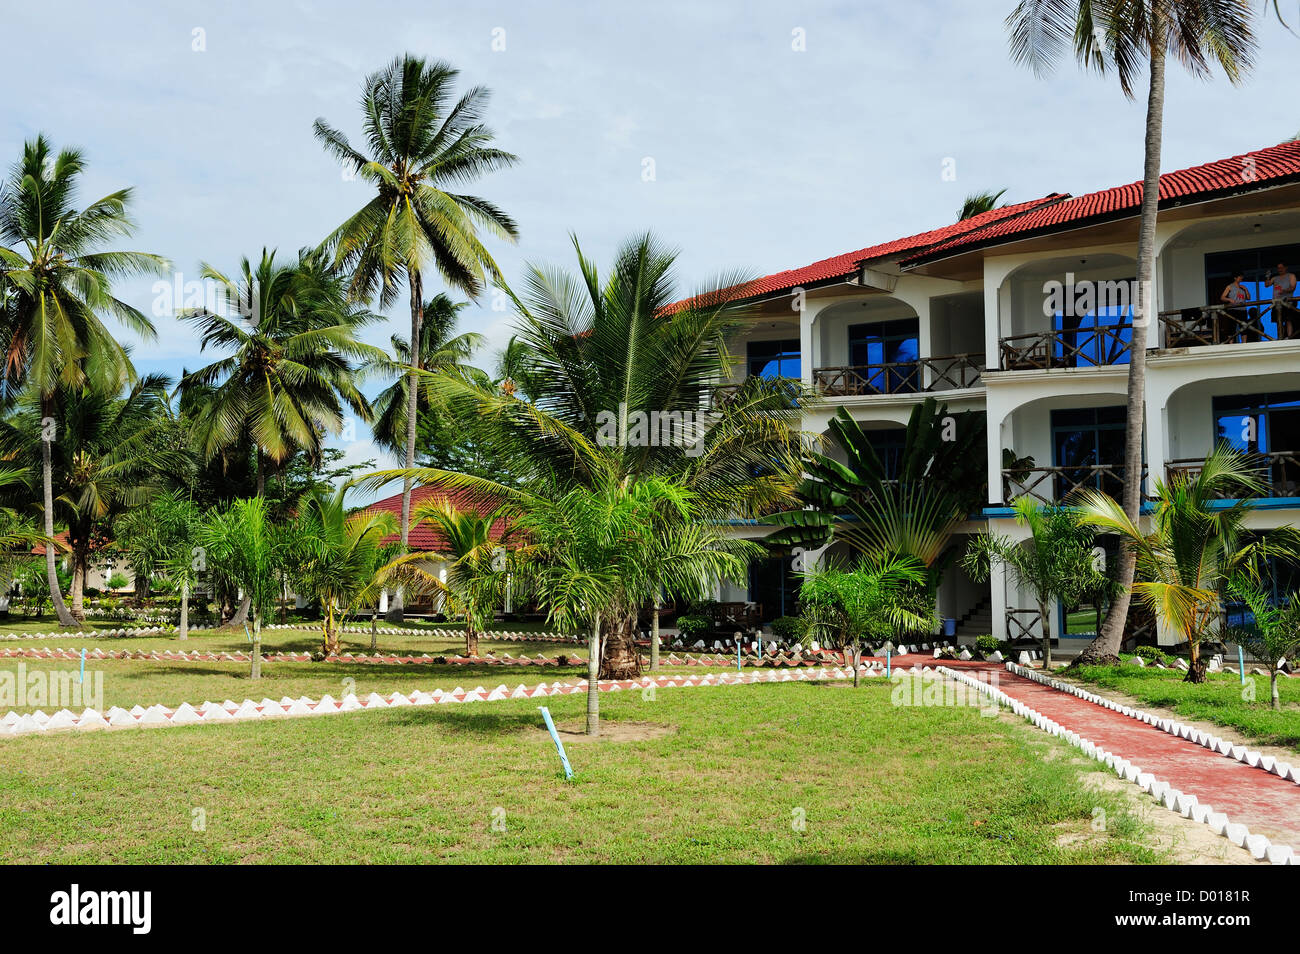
[[842, 266], [1253, 170], [426, 536]]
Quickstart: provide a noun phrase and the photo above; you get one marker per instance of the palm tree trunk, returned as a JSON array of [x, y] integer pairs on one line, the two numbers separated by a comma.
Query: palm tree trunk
[[1105, 648], [1272, 688], [374, 634], [471, 641], [621, 659], [856, 650], [256, 671], [654, 637], [395, 613], [47, 488], [183, 631], [593, 678], [80, 558]]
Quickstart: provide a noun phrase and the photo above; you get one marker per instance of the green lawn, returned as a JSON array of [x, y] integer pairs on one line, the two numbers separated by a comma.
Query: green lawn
[[740, 767], [1219, 699]]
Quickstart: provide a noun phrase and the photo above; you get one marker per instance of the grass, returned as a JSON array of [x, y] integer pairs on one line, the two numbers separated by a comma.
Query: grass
[[873, 783], [1220, 699]]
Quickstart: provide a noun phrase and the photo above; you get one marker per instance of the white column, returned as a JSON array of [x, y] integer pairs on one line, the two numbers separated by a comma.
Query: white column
[[807, 359], [924, 337], [998, 592], [1156, 412]]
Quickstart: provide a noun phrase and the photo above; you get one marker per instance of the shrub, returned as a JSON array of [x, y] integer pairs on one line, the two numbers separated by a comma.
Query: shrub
[[1154, 654], [789, 629], [693, 626], [987, 645], [117, 581]]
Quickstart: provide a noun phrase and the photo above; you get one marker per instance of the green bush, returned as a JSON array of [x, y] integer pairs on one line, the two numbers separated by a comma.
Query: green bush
[[117, 581], [789, 629], [1153, 654], [693, 626], [987, 644]]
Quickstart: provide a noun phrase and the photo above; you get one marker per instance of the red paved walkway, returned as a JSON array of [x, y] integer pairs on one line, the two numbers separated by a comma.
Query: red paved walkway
[[1264, 803]]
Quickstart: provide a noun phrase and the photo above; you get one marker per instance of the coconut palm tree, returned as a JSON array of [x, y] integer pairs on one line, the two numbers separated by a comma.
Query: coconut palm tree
[[879, 597], [475, 557], [617, 378], [1133, 39], [442, 351], [1056, 562], [978, 203], [1197, 546], [594, 555], [114, 454], [422, 142], [242, 543], [291, 361], [336, 556], [1274, 634], [56, 281]]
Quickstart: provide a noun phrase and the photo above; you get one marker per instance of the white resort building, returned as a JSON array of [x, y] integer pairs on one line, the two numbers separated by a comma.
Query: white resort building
[[966, 313]]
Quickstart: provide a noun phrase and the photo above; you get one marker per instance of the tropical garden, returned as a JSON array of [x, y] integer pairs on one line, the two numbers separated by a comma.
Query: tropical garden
[[218, 490]]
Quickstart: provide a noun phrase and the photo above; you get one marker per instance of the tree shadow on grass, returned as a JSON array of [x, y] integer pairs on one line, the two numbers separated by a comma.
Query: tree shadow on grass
[[466, 723]]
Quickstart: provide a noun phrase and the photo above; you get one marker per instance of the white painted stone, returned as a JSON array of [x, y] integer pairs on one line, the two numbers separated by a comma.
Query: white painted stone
[[1278, 854], [1201, 813], [1257, 845], [184, 714], [1237, 834]]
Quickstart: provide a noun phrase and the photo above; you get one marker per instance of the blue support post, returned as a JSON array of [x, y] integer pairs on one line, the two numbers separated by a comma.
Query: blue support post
[[559, 746]]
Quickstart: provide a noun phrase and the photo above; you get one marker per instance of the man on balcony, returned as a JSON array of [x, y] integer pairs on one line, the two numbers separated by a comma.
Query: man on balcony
[[1284, 312]]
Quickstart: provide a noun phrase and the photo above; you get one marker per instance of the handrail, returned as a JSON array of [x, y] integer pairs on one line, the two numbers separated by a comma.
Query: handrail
[[1230, 324], [1084, 346], [1051, 485], [901, 377], [1278, 470]]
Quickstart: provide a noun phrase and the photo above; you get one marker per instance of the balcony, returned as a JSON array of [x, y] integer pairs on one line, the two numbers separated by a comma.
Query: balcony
[[1230, 324], [1052, 485], [1084, 347], [1278, 471], [905, 377]]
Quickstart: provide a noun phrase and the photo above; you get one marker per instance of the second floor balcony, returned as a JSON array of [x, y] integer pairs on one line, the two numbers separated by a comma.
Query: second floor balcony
[[941, 373], [1054, 485], [1071, 346], [1269, 320]]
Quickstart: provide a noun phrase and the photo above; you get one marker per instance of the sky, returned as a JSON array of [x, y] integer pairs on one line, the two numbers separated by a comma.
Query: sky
[[753, 136]]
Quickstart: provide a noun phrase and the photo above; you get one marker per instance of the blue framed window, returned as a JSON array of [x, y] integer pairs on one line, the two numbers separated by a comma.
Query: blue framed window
[[773, 359], [1102, 336], [895, 343], [1255, 264], [1084, 438]]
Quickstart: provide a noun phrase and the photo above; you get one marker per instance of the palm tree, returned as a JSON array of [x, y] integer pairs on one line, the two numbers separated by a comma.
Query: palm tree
[[242, 543], [595, 555], [421, 143], [1130, 37], [882, 595], [1197, 546], [1055, 562], [978, 203], [911, 512], [475, 557], [442, 351], [114, 454], [56, 282], [1274, 635], [337, 556], [618, 382], [289, 370], [162, 537]]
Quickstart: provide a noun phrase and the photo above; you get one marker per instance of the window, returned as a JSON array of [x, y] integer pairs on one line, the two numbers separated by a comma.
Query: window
[[1084, 439], [1254, 263], [1102, 336], [893, 343], [1264, 424], [1083, 619], [888, 445], [774, 359]]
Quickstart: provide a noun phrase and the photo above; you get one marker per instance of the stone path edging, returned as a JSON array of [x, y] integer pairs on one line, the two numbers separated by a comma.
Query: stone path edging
[[16, 724], [1184, 804]]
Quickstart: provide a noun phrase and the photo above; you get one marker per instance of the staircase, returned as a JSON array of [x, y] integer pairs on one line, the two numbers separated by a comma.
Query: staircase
[[978, 620]]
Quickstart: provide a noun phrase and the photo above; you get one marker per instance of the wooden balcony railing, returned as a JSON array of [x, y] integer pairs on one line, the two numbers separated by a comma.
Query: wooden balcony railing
[[1279, 471], [903, 377], [1230, 324], [1024, 624], [1069, 348], [1052, 485]]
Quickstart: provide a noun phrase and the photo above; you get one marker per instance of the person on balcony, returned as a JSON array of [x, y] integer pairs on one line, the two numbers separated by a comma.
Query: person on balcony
[[1284, 312], [1238, 323]]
